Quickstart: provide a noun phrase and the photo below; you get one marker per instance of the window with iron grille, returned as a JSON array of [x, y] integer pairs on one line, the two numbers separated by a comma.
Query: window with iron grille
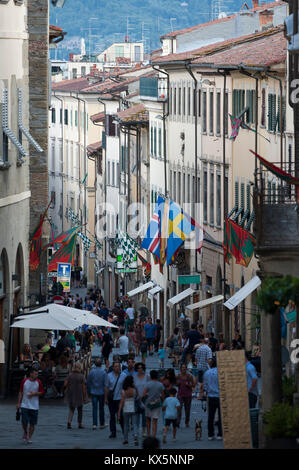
[[218, 117], [204, 112]]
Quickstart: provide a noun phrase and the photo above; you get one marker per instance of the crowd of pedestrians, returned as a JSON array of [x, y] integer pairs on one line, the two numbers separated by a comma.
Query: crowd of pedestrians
[[136, 399]]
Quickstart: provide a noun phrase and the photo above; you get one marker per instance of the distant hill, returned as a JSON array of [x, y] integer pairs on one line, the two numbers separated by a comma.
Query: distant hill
[[102, 22]]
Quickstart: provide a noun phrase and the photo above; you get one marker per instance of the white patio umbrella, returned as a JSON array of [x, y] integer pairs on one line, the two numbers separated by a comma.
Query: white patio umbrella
[[44, 321], [64, 313]]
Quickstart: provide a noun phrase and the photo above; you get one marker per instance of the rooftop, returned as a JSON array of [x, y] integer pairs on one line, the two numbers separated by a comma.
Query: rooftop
[[263, 51], [99, 117], [264, 7], [136, 113]]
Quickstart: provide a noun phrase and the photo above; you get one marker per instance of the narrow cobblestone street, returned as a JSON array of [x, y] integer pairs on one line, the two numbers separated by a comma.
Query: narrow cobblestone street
[[51, 431]]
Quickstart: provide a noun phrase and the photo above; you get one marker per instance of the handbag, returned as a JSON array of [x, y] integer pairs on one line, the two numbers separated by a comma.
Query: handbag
[[152, 405], [111, 392]]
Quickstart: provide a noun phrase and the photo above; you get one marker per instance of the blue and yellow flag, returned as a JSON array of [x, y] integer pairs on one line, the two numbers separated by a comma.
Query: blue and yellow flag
[[180, 227]]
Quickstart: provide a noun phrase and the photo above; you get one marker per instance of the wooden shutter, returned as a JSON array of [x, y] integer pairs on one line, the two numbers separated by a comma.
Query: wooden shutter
[[263, 114]]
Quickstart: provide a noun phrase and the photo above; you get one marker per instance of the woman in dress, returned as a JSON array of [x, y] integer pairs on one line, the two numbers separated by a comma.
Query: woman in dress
[[75, 393], [26, 355], [185, 383]]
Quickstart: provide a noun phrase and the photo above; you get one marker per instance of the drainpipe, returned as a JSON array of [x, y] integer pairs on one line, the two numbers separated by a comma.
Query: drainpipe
[[62, 134], [225, 209], [165, 115], [195, 146], [281, 130], [105, 179]]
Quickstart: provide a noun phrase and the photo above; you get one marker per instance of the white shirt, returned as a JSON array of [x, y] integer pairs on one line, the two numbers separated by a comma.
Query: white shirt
[[28, 386], [123, 345], [130, 312]]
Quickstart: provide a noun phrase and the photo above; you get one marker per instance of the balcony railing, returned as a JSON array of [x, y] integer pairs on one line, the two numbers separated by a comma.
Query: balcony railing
[[272, 190]]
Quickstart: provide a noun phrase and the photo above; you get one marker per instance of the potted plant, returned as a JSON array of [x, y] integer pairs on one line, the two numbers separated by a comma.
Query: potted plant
[[282, 426]]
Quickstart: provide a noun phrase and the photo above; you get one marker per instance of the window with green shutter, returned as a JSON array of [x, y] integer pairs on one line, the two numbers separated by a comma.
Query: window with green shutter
[[271, 112], [155, 141], [204, 111], [152, 141], [283, 113], [76, 118], [211, 112], [218, 110]]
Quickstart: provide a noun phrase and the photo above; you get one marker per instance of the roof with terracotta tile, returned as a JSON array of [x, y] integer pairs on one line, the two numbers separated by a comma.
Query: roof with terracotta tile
[[99, 117], [220, 20], [77, 84], [135, 113], [94, 147], [112, 86], [265, 51], [215, 47]]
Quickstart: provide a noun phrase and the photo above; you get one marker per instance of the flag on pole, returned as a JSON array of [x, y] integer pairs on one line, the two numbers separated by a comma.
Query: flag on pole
[[65, 237], [237, 242], [36, 241], [151, 241], [65, 254], [281, 174], [236, 123], [128, 246], [180, 227]]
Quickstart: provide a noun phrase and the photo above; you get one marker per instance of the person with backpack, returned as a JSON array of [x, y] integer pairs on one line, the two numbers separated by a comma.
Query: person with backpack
[[113, 388]]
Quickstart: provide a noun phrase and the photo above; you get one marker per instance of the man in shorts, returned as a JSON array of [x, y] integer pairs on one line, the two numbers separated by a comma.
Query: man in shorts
[[28, 400], [150, 333]]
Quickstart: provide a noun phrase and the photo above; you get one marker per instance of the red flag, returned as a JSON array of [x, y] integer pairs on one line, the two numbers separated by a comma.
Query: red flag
[[65, 254], [36, 241]]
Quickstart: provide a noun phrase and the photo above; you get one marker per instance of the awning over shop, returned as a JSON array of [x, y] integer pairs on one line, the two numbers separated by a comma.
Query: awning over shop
[[154, 291], [244, 292], [204, 303], [179, 297], [140, 289]]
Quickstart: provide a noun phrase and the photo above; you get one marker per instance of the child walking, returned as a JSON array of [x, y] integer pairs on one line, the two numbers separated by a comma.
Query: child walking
[[171, 405], [161, 355]]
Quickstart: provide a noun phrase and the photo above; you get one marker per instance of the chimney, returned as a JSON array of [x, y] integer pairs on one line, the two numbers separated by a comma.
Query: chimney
[[255, 3]]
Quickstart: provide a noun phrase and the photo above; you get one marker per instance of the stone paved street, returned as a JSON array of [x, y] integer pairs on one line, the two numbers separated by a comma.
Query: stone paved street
[[51, 431]]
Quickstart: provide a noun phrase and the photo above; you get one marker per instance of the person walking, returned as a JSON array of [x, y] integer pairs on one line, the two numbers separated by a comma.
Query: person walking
[[96, 381], [60, 375], [140, 381], [185, 383], [203, 357], [127, 406], [123, 344], [138, 330], [171, 405], [150, 332], [107, 345], [113, 388], [31, 389], [252, 380], [174, 342], [211, 387], [152, 395], [193, 338], [158, 334], [75, 394]]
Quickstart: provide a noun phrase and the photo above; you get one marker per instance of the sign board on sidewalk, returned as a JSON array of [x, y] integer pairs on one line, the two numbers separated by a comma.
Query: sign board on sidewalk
[[64, 275], [234, 403]]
